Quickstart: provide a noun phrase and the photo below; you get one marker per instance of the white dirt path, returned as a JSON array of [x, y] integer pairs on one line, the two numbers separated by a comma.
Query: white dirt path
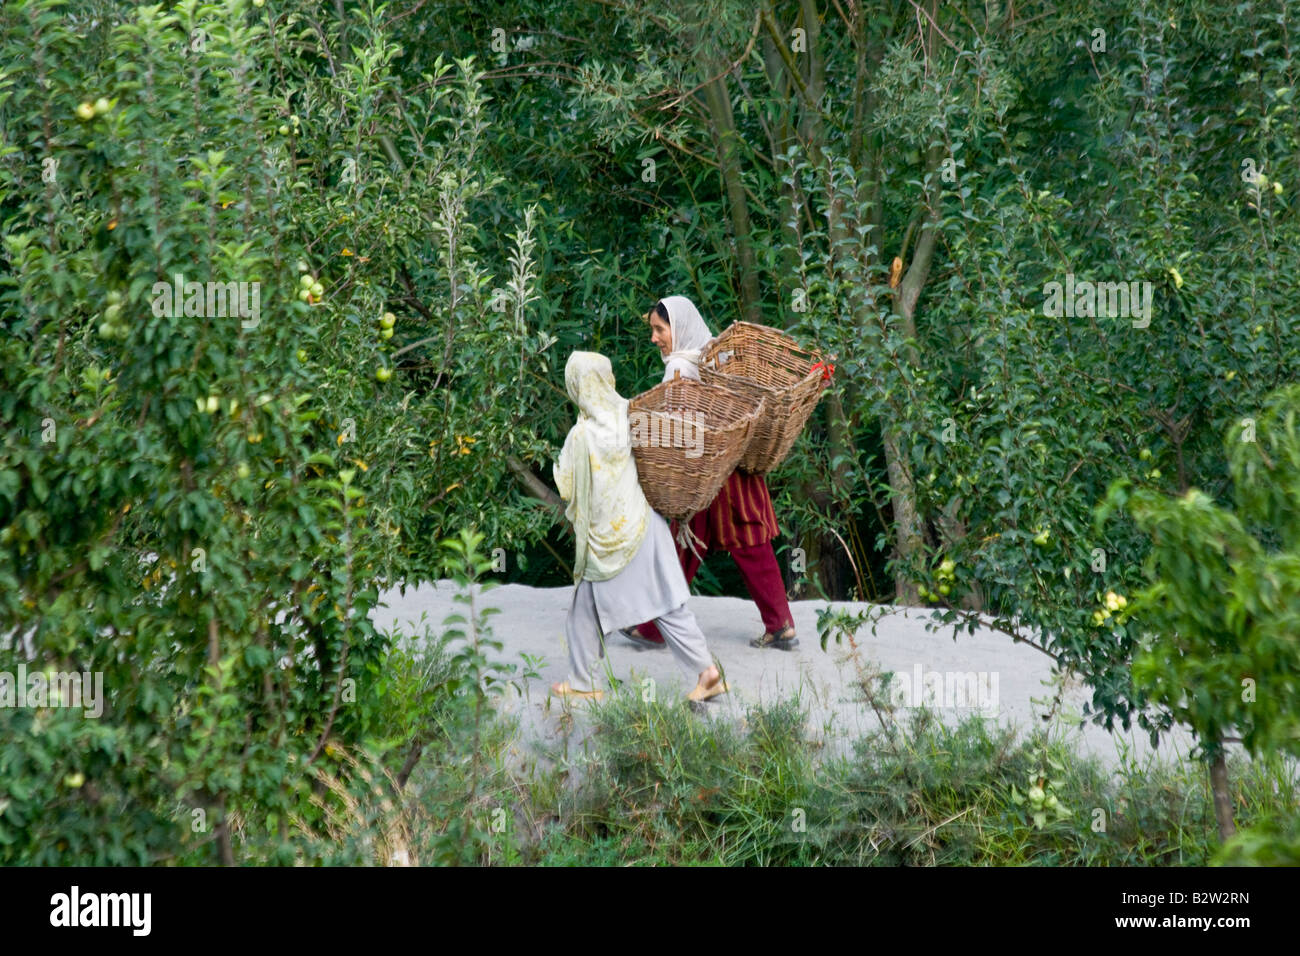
[[1007, 681]]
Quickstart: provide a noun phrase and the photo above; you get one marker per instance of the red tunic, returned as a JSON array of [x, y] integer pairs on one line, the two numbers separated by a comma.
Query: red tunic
[[740, 516], [739, 520]]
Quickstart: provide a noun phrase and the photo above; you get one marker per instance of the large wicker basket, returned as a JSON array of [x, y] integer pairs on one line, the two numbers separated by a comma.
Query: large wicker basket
[[687, 437], [762, 363]]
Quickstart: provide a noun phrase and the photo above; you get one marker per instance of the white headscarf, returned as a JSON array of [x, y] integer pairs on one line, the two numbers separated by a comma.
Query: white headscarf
[[690, 335], [596, 473]]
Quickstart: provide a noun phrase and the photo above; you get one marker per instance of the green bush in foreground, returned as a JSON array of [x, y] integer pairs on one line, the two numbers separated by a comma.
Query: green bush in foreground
[[1217, 624], [666, 787]]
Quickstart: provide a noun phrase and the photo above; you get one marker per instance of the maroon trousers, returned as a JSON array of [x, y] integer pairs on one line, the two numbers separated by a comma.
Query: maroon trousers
[[740, 520]]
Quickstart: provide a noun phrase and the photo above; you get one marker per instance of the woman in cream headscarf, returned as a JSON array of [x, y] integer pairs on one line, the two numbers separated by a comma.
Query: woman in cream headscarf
[[625, 567], [740, 519]]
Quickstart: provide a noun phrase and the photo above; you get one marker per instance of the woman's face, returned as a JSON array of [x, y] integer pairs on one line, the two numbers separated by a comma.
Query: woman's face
[[661, 334]]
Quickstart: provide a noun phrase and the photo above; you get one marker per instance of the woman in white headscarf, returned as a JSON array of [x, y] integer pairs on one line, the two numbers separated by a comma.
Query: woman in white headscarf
[[740, 519], [625, 565], [681, 334]]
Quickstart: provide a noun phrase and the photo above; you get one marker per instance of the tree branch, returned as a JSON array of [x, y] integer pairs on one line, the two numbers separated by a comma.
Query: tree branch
[[534, 485]]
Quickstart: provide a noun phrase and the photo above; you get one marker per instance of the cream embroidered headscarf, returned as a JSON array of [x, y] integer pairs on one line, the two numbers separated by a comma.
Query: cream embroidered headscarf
[[690, 335], [596, 473]]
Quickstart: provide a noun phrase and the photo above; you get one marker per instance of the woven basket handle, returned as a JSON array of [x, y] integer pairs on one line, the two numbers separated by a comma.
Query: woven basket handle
[[687, 539]]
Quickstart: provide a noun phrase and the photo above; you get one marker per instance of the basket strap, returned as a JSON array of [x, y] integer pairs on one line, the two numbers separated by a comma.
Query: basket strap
[[686, 538]]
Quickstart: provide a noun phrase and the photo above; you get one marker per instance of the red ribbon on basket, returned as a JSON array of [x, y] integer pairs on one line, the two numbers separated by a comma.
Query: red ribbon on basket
[[827, 370]]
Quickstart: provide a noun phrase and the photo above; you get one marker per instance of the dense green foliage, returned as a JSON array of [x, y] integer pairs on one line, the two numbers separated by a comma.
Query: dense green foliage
[[1221, 617], [200, 505]]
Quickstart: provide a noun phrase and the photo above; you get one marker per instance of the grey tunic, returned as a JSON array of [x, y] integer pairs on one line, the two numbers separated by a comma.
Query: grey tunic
[[651, 584], [651, 587]]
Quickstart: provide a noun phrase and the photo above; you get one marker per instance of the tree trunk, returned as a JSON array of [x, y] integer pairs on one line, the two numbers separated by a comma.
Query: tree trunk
[[952, 531], [718, 100], [783, 137], [534, 485], [815, 573], [908, 535], [807, 76], [1222, 796], [907, 523]]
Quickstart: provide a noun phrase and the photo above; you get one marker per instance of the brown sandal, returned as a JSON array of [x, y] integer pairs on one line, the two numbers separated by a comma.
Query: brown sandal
[[563, 690], [785, 641], [699, 696]]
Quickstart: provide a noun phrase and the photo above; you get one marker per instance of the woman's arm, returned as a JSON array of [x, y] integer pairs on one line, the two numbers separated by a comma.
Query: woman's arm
[[564, 467]]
